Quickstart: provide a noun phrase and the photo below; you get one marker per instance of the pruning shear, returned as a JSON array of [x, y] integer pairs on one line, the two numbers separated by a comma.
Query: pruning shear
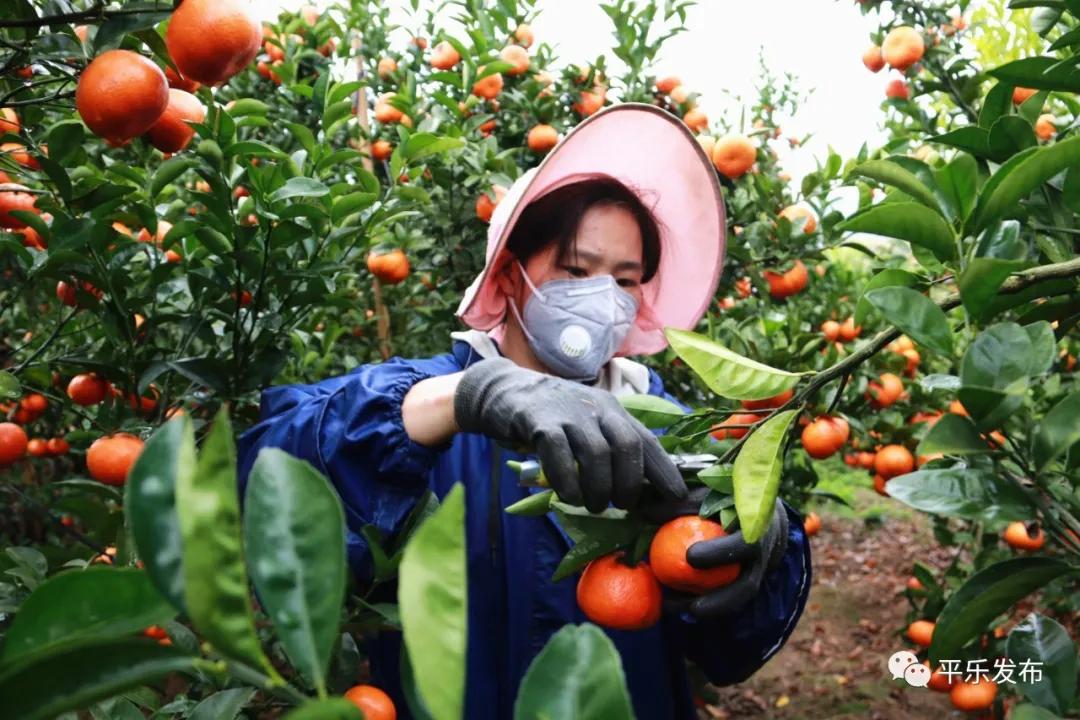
[[530, 474]]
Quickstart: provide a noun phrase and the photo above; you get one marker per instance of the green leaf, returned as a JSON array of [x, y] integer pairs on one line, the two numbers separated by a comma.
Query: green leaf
[[998, 357], [330, 709], [248, 106], [215, 583], [987, 594], [975, 140], [224, 705], [1043, 347], [727, 373], [299, 187], [110, 33], [534, 505], [432, 593], [890, 277], [99, 602], [253, 148], [1040, 73], [953, 435], [351, 203], [916, 315], [980, 281], [423, 145], [169, 171], [303, 135], [76, 678], [964, 493], [1042, 640], [1027, 711], [297, 566], [891, 173], [1058, 431], [150, 505], [1010, 135], [957, 184], [913, 222], [651, 410], [998, 102], [720, 478], [593, 536], [10, 388], [577, 676], [1014, 182], [757, 474]]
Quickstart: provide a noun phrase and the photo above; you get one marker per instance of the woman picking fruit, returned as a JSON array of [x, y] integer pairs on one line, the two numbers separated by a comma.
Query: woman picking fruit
[[590, 255]]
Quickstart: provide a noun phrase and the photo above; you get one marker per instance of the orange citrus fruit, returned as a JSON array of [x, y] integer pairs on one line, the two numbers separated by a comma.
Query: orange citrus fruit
[[614, 595], [212, 40], [121, 95], [733, 155], [920, 632], [893, 460], [172, 133], [903, 47], [1018, 536], [109, 458], [373, 702], [13, 442], [667, 555]]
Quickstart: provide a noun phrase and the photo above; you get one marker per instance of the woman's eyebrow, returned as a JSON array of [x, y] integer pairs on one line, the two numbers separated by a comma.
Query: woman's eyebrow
[[593, 258]]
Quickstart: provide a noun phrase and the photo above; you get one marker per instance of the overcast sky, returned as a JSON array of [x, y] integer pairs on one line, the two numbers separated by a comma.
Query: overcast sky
[[821, 41]]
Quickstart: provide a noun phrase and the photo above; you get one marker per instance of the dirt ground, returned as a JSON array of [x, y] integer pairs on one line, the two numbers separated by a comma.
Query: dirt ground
[[834, 665]]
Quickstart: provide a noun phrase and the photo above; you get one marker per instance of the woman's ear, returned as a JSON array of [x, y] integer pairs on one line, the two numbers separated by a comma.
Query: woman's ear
[[507, 280]]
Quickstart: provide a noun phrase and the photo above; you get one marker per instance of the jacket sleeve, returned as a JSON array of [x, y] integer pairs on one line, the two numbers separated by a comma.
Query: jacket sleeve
[[729, 650], [350, 429]]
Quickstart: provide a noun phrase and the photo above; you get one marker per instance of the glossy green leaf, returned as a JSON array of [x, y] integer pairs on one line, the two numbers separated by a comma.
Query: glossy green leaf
[[958, 185], [910, 221], [300, 187], [891, 173], [593, 536], [757, 474], [85, 674], [975, 140], [953, 435], [534, 505], [1043, 347], [990, 408], [1010, 135], [432, 594], [1043, 640], [981, 279], [424, 145], [1058, 431], [99, 602], [1017, 181], [10, 388], [150, 505], [886, 278], [964, 493], [215, 581], [1038, 73], [298, 567], [224, 705], [997, 102], [329, 709], [987, 594], [169, 171], [651, 410], [727, 373], [916, 315], [720, 478], [577, 676], [999, 356]]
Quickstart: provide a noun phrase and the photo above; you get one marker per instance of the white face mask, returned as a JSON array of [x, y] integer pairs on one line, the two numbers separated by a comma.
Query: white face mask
[[576, 326]]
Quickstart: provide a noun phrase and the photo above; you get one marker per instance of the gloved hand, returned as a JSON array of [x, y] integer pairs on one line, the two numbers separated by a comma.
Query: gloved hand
[[566, 421], [756, 558]]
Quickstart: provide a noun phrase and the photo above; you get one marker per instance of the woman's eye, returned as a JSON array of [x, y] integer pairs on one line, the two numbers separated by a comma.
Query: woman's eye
[[576, 272], [627, 282]]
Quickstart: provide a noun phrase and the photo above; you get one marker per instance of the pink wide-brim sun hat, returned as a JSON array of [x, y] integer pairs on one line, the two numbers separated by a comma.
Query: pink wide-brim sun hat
[[654, 154]]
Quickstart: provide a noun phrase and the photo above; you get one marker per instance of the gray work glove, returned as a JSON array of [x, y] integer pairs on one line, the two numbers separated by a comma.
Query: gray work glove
[[564, 421], [756, 558]]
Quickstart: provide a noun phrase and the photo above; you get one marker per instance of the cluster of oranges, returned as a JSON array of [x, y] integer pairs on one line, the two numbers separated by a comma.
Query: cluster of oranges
[[617, 595], [902, 48], [694, 117], [964, 695], [824, 436], [738, 424]]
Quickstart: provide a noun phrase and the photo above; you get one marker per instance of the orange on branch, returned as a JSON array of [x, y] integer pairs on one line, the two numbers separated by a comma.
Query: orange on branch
[[121, 95], [667, 555], [172, 133], [614, 595], [212, 40]]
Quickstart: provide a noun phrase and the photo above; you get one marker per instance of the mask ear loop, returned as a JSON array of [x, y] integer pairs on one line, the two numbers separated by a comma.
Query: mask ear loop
[[536, 291], [514, 308]]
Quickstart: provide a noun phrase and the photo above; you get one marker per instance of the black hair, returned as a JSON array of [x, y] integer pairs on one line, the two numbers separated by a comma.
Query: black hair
[[556, 217]]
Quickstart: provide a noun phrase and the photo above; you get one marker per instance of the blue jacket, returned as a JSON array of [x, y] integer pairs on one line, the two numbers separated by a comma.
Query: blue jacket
[[350, 428]]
